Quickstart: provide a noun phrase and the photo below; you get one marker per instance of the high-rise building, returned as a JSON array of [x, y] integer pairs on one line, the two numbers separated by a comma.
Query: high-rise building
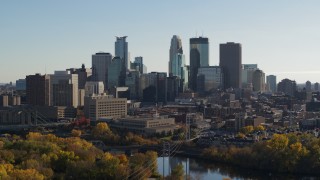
[[209, 78], [177, 65], [21, 84], [308, 86], [100, 64], [287, 86], [153, 87], [175, 48], [93, 87], [84, 74], [116, 73], [272, 83], [64, 89], [231, 62], [199, 57], [138, 65], [258, 81], [121, 50], [132, 82], [173, 87], [104, 106], [316, 86], [38, 90], [247, 74]]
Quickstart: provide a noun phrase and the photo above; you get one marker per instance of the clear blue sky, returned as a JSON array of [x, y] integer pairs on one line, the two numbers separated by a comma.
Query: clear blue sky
[[281, 36]]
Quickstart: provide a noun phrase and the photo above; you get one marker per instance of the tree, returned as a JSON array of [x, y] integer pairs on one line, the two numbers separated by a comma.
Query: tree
[[241, 136], [259, 128], [278, 142], [101, 129], [247, 130], [75, 133], [177, 173]]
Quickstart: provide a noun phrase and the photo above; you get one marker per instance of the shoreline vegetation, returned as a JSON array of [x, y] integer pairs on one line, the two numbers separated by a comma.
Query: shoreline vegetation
[[41, 157], [283, 153]]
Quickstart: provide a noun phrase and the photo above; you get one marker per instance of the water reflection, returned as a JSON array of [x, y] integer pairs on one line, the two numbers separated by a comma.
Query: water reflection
[[199, 169]]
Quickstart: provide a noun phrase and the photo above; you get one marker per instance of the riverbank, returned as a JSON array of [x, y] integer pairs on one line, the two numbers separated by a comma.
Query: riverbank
[[245, 164]]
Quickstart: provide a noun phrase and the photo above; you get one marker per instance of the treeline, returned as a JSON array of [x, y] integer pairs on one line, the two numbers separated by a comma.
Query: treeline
[[287, 153], [49, 157], [102, 132]]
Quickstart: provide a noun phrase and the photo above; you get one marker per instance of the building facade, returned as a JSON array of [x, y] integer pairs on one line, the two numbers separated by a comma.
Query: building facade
[[64, 89], [38, 90], [287, 86], [209, 78], [21, 84], [247, 74], [231, 62], [272, 83], [121, 50], [93, 87], [258, 81], [100, 64], [199, 57], [116, 73], [102, 106], [175, 49], [84, 74]]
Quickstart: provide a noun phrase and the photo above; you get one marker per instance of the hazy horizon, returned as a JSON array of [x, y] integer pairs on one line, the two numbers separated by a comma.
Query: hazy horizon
[[41, 37]]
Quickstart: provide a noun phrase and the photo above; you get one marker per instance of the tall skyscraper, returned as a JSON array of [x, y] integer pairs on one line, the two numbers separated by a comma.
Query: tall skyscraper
[[121, 50], [258, 81], [199, 57], [308, 86], [316, 87], [100, 64], [272, 83], [177, 65], [175, 48], [116, 73], [231, 62], [132, 82]]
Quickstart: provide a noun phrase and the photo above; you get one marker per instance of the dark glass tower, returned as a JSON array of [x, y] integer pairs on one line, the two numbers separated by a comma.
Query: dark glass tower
[[231, 62], [199, 57]]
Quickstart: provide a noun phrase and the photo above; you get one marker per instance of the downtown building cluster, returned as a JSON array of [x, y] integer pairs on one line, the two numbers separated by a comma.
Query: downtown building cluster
[[116, 74], [115, 84]]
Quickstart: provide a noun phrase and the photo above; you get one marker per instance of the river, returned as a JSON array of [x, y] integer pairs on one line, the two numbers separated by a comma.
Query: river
[[203, 170]]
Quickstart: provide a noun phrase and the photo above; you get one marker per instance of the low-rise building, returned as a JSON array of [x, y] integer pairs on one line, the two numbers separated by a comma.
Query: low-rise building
[[101, 106], [145, 125]]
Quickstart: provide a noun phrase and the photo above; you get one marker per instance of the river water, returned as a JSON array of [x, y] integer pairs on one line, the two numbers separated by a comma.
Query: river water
[[203, 170]]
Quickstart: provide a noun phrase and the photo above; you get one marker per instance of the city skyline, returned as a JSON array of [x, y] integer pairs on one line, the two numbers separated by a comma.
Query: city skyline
[[36, 38]]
